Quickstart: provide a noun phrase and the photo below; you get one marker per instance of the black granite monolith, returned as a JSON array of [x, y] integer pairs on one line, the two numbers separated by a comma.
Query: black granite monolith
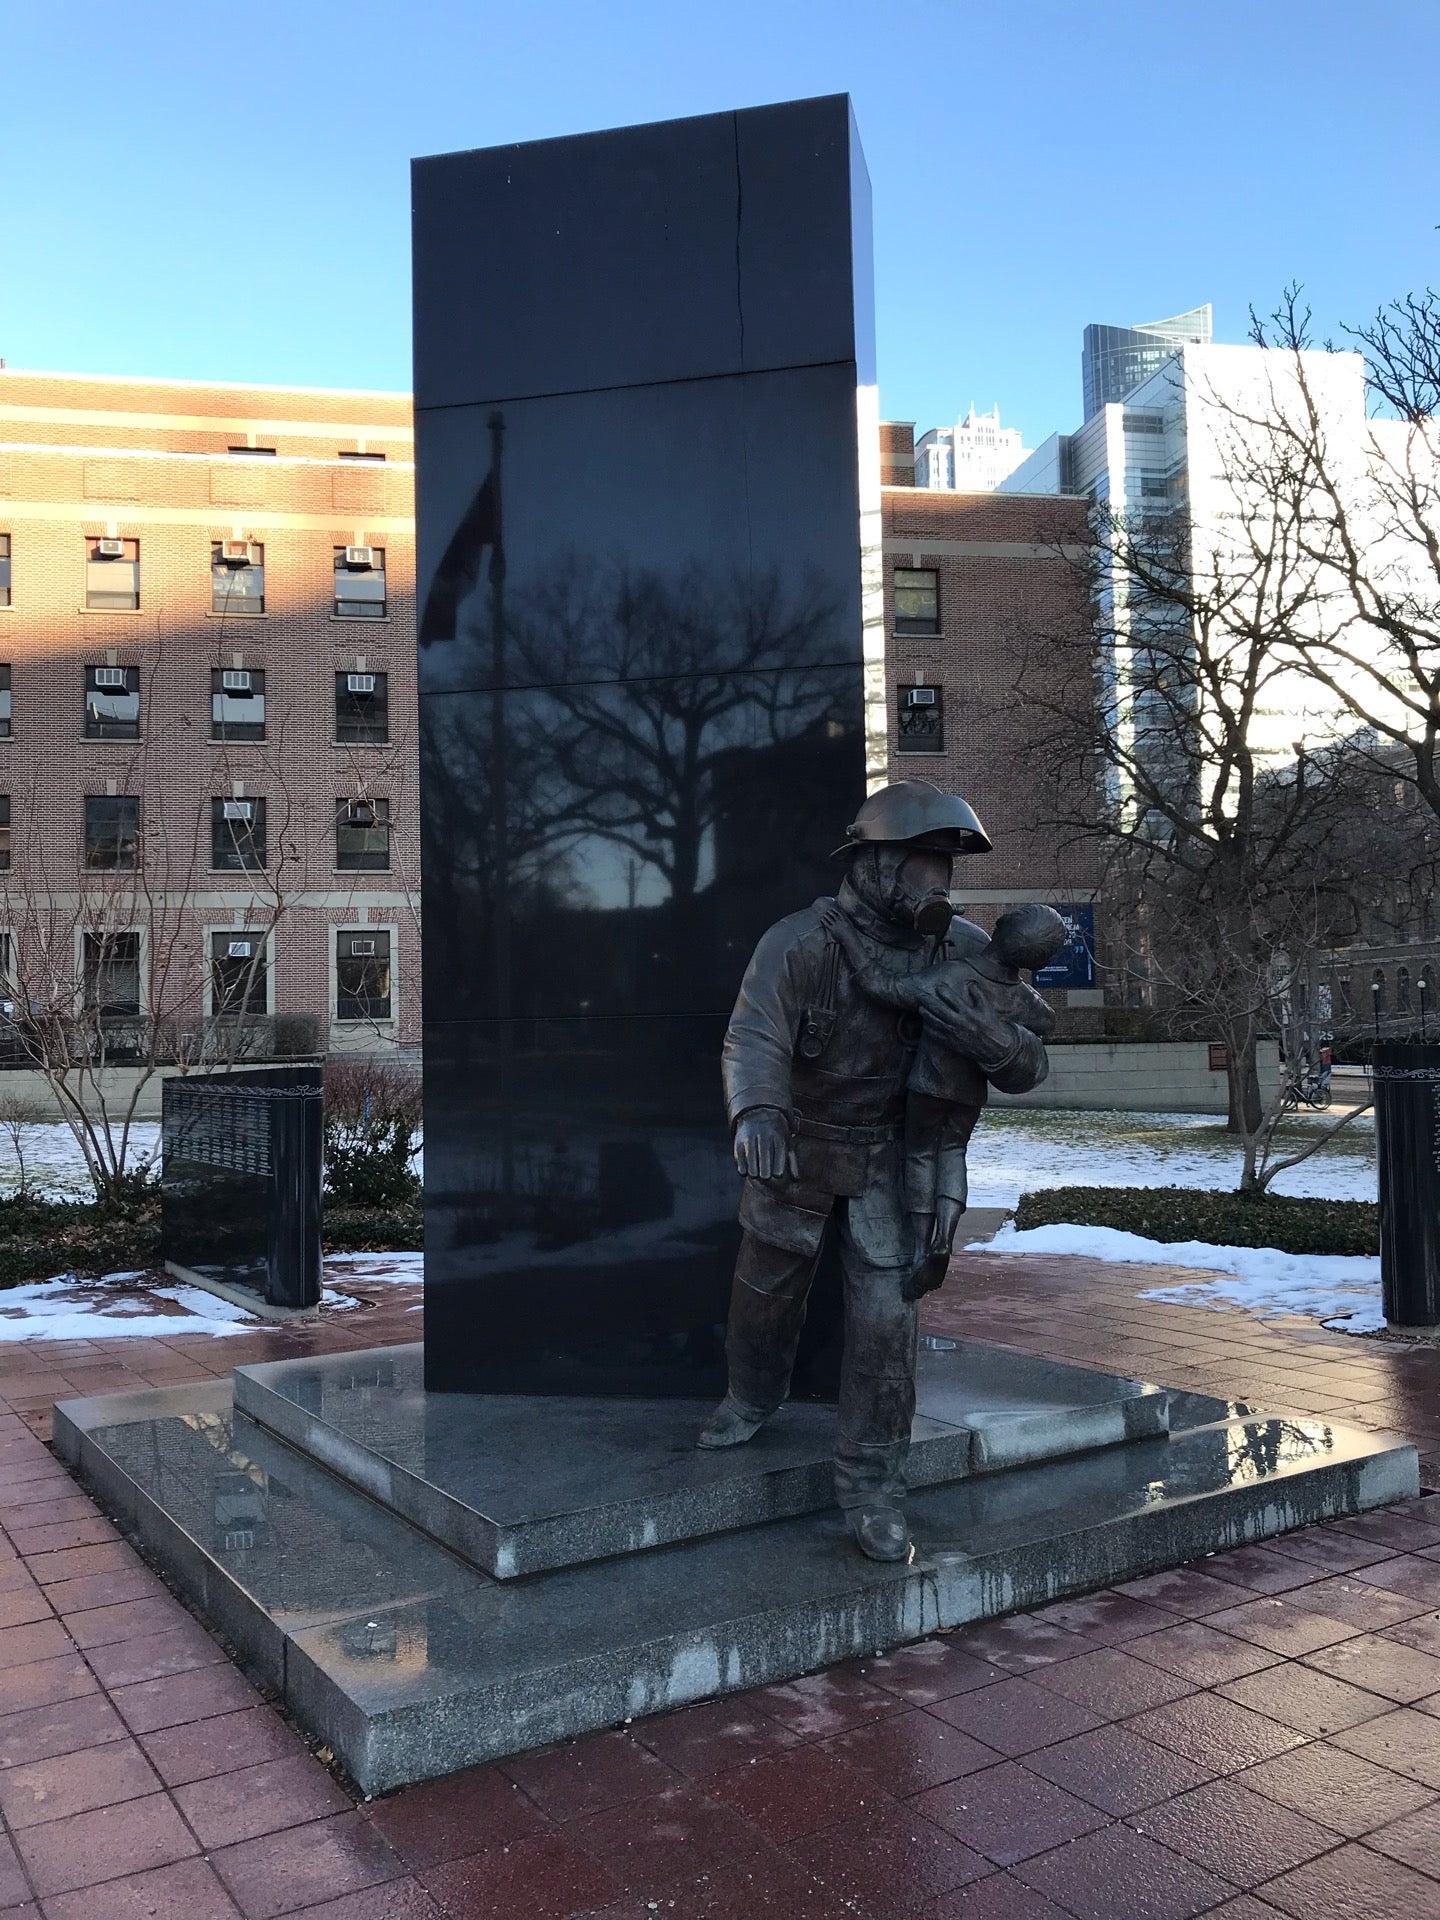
[[647, 469]]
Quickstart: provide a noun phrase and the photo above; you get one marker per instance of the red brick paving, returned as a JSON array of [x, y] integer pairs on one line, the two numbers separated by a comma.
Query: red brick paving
[[1253, 1737]]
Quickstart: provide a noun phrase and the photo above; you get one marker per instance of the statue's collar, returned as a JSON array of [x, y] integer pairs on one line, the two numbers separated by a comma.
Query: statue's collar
[[874, 925]]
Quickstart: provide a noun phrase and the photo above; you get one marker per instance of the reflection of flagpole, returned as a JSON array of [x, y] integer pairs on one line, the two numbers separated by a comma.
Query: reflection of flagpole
[[500, 812]]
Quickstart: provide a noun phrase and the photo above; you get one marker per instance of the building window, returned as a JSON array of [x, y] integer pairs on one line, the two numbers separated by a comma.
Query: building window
[[362, 708], [362, 836], [344, 455], [237, 703], [1377, 990], [362, 975], [112, 832], [4, 569], [112, 974], [237, 836], [917, 600], [1347, 995], [112, 575], [253, 453], [237, 973], [1402, 989], [4, 703], [360, 583], [112, 703], [4, 832], [922, 719], [237, 577]]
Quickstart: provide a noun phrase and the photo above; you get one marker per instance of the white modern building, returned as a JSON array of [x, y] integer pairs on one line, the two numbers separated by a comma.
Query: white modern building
[[973, 456], [1190, 440]]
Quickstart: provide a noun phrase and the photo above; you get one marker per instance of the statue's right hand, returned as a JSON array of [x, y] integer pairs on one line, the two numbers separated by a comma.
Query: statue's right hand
[[762, 1145]]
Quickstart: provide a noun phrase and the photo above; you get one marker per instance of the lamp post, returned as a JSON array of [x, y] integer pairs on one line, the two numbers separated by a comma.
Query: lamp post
[[1424, 987], [1375, 1005]]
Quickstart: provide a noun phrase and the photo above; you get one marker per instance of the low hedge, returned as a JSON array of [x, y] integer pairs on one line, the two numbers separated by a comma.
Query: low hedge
[[372, 1229], [41, 1238], [1222, 1218]]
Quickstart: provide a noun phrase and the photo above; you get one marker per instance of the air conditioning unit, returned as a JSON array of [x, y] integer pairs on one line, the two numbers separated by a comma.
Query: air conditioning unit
[[359, 683], [235, 679], [239, 553], [920, 697], [362, 949], [110, 549], [359, 559], [239, 950], [110, 676], [360, 813], [238, 809]]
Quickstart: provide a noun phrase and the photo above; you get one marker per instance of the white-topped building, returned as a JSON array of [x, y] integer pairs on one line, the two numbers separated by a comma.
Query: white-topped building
[[973, 456]]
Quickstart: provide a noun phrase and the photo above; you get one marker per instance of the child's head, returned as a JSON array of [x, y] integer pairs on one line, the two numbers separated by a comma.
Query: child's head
[[1029, 936]]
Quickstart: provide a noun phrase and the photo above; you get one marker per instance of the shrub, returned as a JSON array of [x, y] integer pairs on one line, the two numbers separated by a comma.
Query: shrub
[[352, 1229], [39, 1238], [372, 1125], [1226, 1219]]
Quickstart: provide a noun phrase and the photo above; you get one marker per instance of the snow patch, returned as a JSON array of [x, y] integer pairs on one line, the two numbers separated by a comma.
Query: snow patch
[[1344, 1288], [67, 1308]]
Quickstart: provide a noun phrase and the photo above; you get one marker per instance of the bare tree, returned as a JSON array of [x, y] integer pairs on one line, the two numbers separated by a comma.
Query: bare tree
[[1367, 516], [1227, 854]]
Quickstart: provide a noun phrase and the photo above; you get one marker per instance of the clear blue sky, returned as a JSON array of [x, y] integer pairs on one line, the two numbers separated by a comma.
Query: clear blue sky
[[198, 190]]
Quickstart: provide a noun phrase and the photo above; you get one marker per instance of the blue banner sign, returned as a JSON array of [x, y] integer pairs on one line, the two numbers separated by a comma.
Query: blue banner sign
[[1074, 964]]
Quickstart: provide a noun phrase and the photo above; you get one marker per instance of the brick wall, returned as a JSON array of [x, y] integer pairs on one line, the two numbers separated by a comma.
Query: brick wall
[[147, 461], [897, 453], [1006, 577]]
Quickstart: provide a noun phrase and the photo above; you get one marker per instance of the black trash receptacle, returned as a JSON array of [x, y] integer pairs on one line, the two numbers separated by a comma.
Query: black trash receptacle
[[1407, 1110]]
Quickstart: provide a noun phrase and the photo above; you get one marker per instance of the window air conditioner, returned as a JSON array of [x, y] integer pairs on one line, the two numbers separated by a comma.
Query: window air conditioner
[[238, 809], [362, 949], [360, 813], [239, 553], [359, 683], [238, 950], [110, 549], [109, 676], [359, 559], [235, 679], [921, 697]]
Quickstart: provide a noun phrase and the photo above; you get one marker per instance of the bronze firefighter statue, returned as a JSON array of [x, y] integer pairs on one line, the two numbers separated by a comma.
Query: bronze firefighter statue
[[817, 1068]]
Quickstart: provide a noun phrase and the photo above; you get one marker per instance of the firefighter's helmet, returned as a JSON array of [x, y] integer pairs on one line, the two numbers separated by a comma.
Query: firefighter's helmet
[[916, 813]]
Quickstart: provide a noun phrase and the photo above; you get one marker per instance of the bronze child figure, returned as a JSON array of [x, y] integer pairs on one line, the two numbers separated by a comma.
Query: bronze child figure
[[940, 1105]]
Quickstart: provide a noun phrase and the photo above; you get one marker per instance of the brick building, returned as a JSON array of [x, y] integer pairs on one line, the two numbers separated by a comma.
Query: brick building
[[971, 581], [207, 744], [208, 791]]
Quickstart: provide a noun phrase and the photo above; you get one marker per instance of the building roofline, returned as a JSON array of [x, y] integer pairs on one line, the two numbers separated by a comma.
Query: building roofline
[[229, 386]]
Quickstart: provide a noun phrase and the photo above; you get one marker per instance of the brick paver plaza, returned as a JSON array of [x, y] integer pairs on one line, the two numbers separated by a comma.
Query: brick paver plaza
[[1256, 1735]]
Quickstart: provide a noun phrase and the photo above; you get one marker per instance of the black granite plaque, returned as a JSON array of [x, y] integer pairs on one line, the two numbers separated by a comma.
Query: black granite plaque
[[647, 493], [240, 1189]]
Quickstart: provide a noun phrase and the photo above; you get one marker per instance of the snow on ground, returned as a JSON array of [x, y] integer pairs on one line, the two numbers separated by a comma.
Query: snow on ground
[[115, 1308], [54, 1164], [1019, 1149], [1343, 1288], [124, 1306]]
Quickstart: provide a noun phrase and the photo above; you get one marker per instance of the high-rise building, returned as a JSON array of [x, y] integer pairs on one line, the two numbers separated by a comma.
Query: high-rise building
[[973, 456], [1114, 360]]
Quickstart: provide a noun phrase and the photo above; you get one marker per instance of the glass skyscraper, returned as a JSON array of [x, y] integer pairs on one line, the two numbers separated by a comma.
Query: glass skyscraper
[[1114, 360]]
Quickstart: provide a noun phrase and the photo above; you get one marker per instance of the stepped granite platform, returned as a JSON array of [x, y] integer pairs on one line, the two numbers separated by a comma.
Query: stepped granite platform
[[411, 1660], [616, 1476]]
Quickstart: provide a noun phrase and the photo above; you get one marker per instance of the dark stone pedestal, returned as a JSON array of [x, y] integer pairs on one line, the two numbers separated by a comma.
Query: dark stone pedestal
[[411, 1660], [646, 476]]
